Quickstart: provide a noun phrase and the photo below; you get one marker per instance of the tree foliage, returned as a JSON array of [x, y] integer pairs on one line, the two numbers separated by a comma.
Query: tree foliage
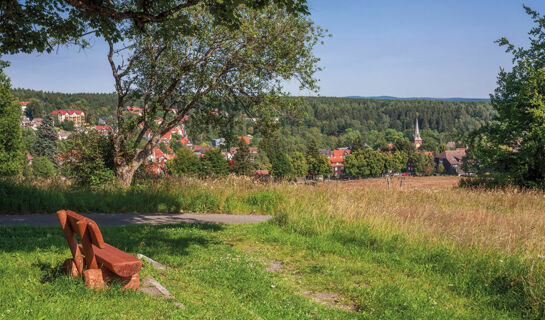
[[242, 164], [214, 164], [10, 131], [89, 163], [512, 147], [186, 163], [46, 141], [43, 168]]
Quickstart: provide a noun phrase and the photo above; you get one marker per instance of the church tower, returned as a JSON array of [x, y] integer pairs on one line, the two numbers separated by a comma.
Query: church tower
[[417, 140]]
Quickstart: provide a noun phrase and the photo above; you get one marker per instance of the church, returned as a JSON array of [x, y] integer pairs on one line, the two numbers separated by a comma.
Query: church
[[417, 140]]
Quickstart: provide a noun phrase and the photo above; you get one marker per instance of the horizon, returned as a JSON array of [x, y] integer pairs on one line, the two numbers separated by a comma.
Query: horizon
[[418, 50]]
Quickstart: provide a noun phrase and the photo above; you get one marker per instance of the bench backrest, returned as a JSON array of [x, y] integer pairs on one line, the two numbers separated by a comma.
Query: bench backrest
[[89, 233]]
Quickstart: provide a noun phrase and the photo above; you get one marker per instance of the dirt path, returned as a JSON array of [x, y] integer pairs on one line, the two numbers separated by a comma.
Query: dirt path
[[120, 219]]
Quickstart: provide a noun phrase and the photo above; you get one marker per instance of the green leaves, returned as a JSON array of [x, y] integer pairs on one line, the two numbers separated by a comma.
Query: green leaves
[[513, 146]]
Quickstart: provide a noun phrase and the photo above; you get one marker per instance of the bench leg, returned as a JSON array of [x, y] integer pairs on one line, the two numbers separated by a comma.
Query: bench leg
[[133, 283], [94, 279], [70, 268], [129, 283]]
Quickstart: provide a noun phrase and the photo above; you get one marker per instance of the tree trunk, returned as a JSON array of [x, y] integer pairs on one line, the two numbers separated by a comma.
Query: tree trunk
[[125, 174]]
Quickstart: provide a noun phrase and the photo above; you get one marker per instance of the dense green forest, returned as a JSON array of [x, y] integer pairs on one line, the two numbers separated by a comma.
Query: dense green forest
[[332, 122]]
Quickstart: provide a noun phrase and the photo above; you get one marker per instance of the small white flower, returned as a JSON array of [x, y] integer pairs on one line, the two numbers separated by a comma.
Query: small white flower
[[501, 260], [540, 256]]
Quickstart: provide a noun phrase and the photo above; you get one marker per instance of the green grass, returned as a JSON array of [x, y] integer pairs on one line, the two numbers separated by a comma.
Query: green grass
[[219, 272], [167, 196]]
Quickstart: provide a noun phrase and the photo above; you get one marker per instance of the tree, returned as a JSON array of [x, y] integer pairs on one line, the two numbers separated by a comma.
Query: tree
[[242, 165], [357, 144], [68, 125], [43, 168], [89, 162], [394, 162], [440, 168], [299, 164], [423, 164], [34, 109], [214, 164], [186, 163], [39, 25], [174, 74], [46, 141], [11, 157], [281, 166], [512, 147], [364, 163]]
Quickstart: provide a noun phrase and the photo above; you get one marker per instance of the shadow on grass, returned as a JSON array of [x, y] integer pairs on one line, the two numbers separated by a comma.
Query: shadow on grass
[[172, 239]]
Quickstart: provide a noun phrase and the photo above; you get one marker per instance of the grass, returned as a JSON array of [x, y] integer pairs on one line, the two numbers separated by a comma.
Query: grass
[[340, 250]]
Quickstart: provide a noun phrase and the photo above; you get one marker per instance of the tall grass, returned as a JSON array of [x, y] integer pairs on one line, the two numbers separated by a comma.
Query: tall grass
[[486, 243]]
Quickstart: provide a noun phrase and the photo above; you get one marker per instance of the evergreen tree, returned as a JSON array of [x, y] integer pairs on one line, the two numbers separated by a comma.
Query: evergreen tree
[[281, 166], [214, 164], [242, 164], [46, 141], [11, 158], [357, 144]]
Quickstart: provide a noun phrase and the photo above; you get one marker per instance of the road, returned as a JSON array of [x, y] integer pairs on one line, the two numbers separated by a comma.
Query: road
[[121, 219]]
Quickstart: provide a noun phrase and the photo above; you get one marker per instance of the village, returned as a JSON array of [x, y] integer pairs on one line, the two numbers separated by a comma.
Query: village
[[69, 121]]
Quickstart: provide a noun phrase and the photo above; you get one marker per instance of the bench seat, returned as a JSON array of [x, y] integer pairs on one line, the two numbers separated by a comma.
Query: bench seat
[[117, 261]]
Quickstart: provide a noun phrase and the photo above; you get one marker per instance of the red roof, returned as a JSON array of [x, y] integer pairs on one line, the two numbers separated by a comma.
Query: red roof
[[157, 153], [67, 111], [341, 153], [245, 139], [24, 103]]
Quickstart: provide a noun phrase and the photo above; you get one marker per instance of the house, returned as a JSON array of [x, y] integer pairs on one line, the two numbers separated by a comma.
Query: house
[[36, 122], [336, 159], [23, 105], [134, 110], [245, 139], [25, 121], [218, 142], [104, 129], [63, 135], [452, 161], [200, 150], [76, 116]]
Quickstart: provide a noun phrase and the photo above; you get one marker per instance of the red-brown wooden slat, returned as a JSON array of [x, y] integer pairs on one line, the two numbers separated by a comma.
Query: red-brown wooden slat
[[117, 261]]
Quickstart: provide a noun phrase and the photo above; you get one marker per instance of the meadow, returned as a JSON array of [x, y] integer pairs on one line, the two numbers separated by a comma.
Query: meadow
[[335, 250]]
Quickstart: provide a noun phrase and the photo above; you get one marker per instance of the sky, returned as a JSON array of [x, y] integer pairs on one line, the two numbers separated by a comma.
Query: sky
[[397, 48]]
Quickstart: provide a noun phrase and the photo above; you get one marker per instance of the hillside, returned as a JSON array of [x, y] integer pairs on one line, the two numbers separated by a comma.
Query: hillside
[[333, 122]]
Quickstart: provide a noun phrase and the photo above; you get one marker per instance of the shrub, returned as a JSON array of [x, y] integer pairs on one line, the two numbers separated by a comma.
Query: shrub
[[43, 168]]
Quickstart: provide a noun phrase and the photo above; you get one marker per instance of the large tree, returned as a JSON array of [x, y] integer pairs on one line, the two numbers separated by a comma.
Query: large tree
[[175, 74], [40, 25], [10, 132], [513, 145]]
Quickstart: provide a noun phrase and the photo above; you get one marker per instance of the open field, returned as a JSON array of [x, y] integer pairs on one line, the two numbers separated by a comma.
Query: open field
[[335, 250]]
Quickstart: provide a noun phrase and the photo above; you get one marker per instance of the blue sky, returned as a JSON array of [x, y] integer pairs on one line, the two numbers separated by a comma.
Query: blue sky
[[391, 47]]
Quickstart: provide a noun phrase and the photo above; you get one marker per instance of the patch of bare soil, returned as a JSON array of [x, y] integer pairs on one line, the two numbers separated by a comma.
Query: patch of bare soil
[[274, 266], [330, 299]]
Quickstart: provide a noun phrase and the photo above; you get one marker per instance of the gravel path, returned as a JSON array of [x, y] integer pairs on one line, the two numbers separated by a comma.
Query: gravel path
[[121, 219]]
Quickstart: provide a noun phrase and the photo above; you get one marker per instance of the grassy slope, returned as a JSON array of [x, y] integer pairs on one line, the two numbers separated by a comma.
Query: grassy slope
[[219, 272], [426, 251]]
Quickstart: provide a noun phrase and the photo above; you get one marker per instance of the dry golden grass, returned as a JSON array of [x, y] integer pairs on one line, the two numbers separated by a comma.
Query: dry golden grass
[[434, 207]]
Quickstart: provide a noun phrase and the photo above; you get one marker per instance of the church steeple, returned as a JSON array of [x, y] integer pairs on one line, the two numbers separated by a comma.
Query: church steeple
[[417, 140]]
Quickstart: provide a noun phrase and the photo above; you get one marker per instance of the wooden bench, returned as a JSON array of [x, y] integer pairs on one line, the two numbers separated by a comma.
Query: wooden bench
[[98, 261]]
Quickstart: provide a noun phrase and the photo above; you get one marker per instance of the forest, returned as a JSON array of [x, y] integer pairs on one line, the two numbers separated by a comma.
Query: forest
[[331, 122]]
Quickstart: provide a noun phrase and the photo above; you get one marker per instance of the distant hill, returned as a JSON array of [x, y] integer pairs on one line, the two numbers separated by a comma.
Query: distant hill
[[423, 98]]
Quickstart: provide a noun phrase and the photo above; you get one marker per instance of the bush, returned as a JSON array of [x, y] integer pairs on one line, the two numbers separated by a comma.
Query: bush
[[43, 168], [89, 162], [186, 163]]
